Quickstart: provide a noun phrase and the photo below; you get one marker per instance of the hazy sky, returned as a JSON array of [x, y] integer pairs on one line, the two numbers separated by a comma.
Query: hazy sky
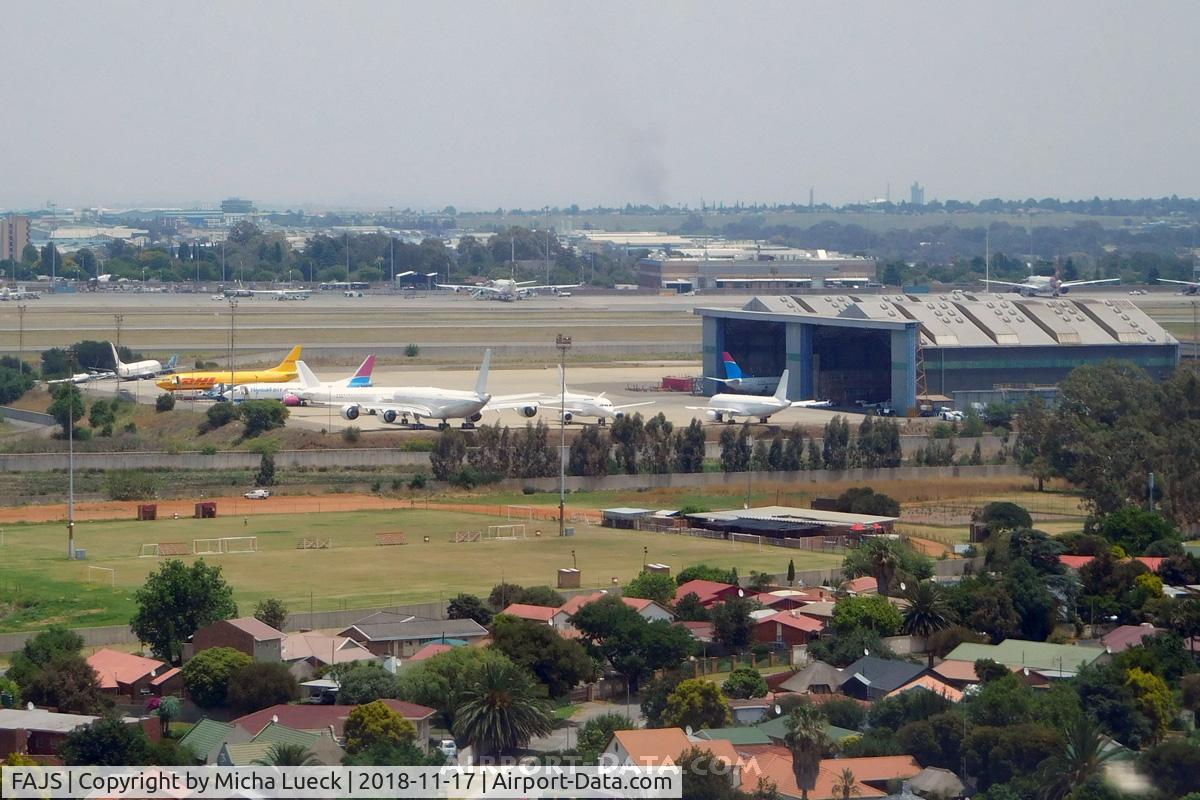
[[511, 104]]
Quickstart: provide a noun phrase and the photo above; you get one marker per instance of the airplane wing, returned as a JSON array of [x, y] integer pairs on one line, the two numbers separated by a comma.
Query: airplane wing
[[812, 403], [400, 408], [634, 405], [1069, 284], [1181, 283], [462, 287], [720, 410], [511, 401], [551, 286], [1029, 286]]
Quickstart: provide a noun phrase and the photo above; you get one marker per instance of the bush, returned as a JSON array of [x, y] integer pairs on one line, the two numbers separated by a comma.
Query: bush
[[131, 484], [351, 434], [207, 675], [743, 683], [865, 500], [261, 685], [219, 415], [261, 416], [164, 402], [417, 481], [412, 351]]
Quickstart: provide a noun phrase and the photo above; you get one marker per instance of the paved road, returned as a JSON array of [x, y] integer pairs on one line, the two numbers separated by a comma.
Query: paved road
[[566, 735]]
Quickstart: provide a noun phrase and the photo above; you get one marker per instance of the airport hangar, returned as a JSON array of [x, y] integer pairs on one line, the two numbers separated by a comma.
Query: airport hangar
[[871, 348]]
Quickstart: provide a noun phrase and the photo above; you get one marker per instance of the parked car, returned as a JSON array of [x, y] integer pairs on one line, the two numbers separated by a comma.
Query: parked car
[[257, 494], [449, 749], [950, 415]]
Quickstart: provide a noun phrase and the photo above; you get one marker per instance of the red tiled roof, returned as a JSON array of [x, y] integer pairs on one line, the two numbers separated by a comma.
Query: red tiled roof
[[792, 619], [1123, 637], [165, 676], [429, 651], [578, 601], [658, 746], [707, 591], [1152, 562], [702, 631], [1075, 562], [775, 763], [532, 613], [317, 718], [113, 667], [261, 631], [860, 585]]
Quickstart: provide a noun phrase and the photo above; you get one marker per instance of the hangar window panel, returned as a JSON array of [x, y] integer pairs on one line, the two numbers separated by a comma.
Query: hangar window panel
[[852, 364]]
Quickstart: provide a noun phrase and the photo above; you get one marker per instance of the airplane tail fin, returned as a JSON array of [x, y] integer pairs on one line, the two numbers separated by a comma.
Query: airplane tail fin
[[732, 370], [289, 362], [307, 379], [481, 381], [363, 376], [781, 391], [172, 362], [116, 358]]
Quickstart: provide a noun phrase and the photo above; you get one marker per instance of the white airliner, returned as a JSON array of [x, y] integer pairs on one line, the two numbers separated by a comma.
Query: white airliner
[[18, 294], [289, 393], [727, 407], [506, 289], [736, 379], [138, 370], [1046, 286], [402, 403], [576, 405], [1190, 287]]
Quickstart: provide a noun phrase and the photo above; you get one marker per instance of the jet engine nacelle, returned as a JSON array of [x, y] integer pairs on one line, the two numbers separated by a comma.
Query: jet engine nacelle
[[528, 411], [475, 417], [1064, 289], [350, 412], [567, 416], [712, 416], [618, 414], [389, 416]]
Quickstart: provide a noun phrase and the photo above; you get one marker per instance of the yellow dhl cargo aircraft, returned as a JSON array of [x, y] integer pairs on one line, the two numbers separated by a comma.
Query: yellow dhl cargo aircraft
[[189, 381]]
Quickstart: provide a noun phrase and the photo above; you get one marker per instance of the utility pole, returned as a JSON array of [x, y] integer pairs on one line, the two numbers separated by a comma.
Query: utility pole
[[232, 340], [392, 248], [21, 337], [119, 318], [1195, 341], [563, 343], [72, 394]]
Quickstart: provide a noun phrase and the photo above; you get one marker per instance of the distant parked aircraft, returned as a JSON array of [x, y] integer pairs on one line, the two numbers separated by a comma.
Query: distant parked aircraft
[[727, 407], [207, 379], [736, 379], [138, 370], [1190, 287], [1046, 286], [506, 289], [290, 393], [575, 405]]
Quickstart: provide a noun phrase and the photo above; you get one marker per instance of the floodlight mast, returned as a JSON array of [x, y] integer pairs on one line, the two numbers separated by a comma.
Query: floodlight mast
[[563, 343]]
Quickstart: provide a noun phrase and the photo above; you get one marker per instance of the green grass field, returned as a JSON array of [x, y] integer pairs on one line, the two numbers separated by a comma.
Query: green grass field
[[38, 586]]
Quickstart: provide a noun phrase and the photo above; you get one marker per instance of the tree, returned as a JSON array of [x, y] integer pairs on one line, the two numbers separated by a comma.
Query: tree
[[628, 433], [595, 734], [791, 572], [865, 500], [261, 416], [872, 612], [56, 363], [655, 694], [706, 572], [468, 606], [271, 611], [1002, 516], [654, 586], [844, 713], [927, 612], [288, 754], [561, 664], [659, 445], [102, 416], [807, 741], [696, 703], [376, 724], [67, 683], [705, 776], [438, 682], [219, 415], [176, 601], [732, 625], [1154, 700], [690, 609], [266, 471], [743, 683], [164, 402], [169, 708], [588, 455], [67, 407], [1173, 766], [845, 785], [504, 595], [449, 450], [261, 685], [846, 648], [55, 642], [883, 558], [689, 448], [206, 676], [540, 596], [735, 448], [632, 646], [366, 683], [1081, 757], [835, 452], [1133, 529], [107, 742], [499, 711]]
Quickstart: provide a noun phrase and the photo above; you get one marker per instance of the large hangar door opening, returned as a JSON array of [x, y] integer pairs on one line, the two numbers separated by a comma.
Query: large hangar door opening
[[852, 364], [758, 347]]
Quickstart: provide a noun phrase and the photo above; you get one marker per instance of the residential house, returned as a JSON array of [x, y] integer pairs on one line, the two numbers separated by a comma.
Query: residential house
[[248, 635], [38, 732], [709, 592], [937, 784], [787, 629], [750, 710], [1123, 637], [317, 718], [386, 633], [816, 678], [427, 652], [1051, 661], [545, 615], [872, 774], [305, 653], [1152, 563], [864, 585], [322, 747], [649, 610], [931, 682], [776, 730], [871, 677], [821, 610], [206, 738], [663, 746], [131, 678]]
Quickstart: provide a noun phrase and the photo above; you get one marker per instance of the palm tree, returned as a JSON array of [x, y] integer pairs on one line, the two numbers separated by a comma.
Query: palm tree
[[499, 711], [846, 785], [1082, 756], [807, 740], [927, 613], [283, 754]]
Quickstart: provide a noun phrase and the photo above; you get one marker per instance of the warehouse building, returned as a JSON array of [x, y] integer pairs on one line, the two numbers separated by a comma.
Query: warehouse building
[[878, 348], [751, 265]]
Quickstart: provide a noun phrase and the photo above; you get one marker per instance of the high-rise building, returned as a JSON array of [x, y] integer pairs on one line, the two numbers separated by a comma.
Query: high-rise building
[[14, 235], [916, 194], [236, 205]]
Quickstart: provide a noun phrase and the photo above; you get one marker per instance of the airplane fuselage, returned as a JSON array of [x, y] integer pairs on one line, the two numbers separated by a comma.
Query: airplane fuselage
[[442, 404], [735, 405], [195, 381]]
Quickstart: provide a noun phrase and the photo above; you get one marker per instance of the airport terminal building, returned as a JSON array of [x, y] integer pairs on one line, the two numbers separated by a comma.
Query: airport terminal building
[[872, 348]]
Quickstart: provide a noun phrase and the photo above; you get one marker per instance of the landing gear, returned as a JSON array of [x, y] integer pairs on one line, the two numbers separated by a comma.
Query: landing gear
[[467, 426], [719, 417], [763, 420], [602, 420], [443, 425]]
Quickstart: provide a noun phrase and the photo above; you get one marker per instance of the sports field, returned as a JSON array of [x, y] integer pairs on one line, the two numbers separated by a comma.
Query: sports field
[[38, 586]]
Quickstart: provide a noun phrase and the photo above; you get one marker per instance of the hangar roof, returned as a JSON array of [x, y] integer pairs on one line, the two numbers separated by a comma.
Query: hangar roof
[[968, 319]]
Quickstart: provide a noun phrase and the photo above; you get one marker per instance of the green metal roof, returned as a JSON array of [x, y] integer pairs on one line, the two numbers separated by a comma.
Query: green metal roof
[[776, 729], [244, 755], [1039, 656], [750, 735], [204, 736], [275, 733]]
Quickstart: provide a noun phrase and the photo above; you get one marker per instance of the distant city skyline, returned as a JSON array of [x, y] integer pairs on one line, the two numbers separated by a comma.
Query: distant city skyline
[[370, 105]]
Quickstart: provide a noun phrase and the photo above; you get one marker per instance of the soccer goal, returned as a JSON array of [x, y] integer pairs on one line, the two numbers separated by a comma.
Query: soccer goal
[[240, 544], [207, 547], [102, 575], [460, 537], [506, 531], [746, 538], [518, 512], [149, 550]]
